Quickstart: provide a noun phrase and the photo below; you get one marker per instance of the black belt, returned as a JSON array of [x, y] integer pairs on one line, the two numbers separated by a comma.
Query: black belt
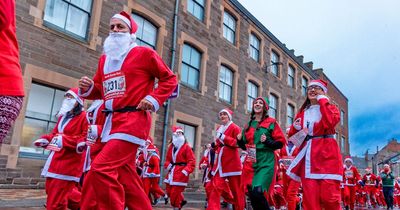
[[125, 109], [179, 164], [321, 136]]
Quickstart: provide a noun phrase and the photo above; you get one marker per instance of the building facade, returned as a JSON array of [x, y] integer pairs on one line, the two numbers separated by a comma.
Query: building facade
[[223, 56]]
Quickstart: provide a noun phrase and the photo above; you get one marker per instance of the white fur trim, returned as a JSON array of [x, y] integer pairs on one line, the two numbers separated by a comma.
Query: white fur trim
[[46, 173], [319, 85], [123, 18], [322, 97], [348, 159], [185, 172], [77, 98], [226, 111], [41, 143], [87, 93], [153, 101], [124, 137], [169, 167]]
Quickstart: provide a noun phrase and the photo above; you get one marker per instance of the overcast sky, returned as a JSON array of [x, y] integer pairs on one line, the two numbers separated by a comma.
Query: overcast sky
[[357, 43]]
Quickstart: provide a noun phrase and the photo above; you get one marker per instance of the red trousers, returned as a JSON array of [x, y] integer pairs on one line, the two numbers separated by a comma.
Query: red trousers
[[371, 198], [216, 188], [114, 179], [291, 189], [349, 196], [155, 189], [175, 194], [321, 194], [58, 193]]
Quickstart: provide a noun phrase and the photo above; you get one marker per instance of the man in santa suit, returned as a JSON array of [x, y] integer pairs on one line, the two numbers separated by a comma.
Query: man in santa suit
[[371, 183], [63, 167], [228, 165], [351, 178], [125, 81], [180, 163], [319, 163], [290, 186]]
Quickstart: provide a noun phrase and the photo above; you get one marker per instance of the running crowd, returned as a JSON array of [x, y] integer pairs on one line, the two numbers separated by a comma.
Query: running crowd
[[103, 158]]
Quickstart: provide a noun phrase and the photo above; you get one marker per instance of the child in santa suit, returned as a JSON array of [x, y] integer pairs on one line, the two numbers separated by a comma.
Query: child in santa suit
[[180, 163], [290, 186], [63, 167], [228, 167], [351, 178], [125, 80], [319, 163], [278, 197], [371, 182]]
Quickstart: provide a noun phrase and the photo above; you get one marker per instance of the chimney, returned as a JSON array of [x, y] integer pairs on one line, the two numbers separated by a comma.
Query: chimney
[[309, 64], [300, 58], [291, 51]]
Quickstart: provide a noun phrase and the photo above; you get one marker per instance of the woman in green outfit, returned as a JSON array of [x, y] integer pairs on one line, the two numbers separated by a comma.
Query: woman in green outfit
[[261, 137]]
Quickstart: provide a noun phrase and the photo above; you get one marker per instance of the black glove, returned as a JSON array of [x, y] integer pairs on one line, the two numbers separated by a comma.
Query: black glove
[[273, 144], [241, 144], [213, 145]]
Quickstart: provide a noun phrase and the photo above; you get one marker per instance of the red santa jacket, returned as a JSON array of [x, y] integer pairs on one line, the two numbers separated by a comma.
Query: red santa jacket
[[286, 157], [10, 71], [319, 157], [127, 87], [67, 164], [351, 176], [370, 179], [95, 118], [151, 166], [180, 164], [227, 154]]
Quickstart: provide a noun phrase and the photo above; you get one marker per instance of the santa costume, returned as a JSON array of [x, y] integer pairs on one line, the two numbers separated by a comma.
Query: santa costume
[[124, 81], [371, 182], [180, 163], [318, 165], [228, 168], [63, 167], [351, 178]]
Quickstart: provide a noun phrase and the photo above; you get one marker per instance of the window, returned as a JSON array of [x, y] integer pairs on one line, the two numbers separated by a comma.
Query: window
[[252, 93], [43, 104], [290, 114], [229, 27], [254, 47], [196, 8], [225, 84], [341, 117], [146, 34], [190, 133], [274, 63], [290, 79], [304, 83], [191, 59], [273, 104], [343, 144], [70, 16]]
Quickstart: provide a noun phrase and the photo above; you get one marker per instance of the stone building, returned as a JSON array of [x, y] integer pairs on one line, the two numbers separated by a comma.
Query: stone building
[[223, 55]]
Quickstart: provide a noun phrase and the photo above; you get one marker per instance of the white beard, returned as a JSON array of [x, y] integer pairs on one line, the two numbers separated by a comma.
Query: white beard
[[117, 44], [178, 141], [67, 105]]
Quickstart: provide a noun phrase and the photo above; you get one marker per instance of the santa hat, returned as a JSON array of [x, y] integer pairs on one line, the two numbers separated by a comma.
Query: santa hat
[[176, 129], [151, 148], [368, 170], [348, 158], [126, 18], [228, 112], [74, 93], [320, 83], [265, 101]]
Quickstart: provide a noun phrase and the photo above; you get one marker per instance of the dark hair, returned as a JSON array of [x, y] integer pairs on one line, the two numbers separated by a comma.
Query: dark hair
[[306, 104], [76, 110], [252, 117]]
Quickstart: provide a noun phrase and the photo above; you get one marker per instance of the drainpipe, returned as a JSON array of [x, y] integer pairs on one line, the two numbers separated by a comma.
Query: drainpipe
[[167, 106]]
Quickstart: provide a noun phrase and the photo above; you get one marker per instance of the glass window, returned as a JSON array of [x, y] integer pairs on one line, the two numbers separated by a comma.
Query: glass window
[[290, 115], [304, 83], [71, 16], [196, 8], [190, 133], [229, 28], [274, 63], [273, 106], [191, 59], [43, 104], [146, 34], [254, 47], [290, 79], [343, 144], [342, 117], [252, 93], [225, 84]]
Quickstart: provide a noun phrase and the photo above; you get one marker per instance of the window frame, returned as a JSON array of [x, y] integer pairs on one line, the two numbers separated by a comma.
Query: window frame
[[291, 78], [252, 48], [342, 115], [223, 84], [196, 3], [271, 107], [304, 88], [250, 105], [147, 20], [275, 64], [225, 26], [290, 106], [187, 84], [180, 123]]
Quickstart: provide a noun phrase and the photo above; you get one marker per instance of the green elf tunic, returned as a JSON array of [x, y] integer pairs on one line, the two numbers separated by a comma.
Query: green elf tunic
[[265, 164]]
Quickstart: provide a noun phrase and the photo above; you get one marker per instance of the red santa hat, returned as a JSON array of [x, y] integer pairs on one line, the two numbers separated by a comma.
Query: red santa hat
[[320, 83], [368, 170], [228, 112], [176, 129], [151, 147], [348, 158], [265, 101], [74, 93], [126, 18]]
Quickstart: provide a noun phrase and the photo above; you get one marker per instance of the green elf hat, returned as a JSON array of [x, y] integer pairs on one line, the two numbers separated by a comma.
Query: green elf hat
[[265, 101]]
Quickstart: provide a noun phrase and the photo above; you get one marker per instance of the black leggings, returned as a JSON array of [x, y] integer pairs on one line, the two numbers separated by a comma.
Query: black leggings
[[388, 193]]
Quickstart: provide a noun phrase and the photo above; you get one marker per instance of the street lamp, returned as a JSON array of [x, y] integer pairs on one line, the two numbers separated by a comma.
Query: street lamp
[[272, 64]]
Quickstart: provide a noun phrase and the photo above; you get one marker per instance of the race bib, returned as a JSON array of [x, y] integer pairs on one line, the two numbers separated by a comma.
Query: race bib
[[299, 137], [252, 154], [114, 85], [348, 174], [286, 161]]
